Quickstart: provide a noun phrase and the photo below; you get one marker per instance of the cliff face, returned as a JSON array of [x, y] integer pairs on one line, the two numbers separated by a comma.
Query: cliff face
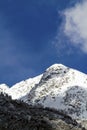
[[17, 115]]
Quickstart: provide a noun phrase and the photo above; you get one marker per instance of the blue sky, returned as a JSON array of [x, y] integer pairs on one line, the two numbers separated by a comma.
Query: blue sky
[[36, 34]]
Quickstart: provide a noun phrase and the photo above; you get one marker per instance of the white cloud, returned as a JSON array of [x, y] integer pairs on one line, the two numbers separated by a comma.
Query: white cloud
[[75, 25]]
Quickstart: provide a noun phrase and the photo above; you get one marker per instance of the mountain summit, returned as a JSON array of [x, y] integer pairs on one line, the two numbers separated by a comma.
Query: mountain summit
[[59, 87]]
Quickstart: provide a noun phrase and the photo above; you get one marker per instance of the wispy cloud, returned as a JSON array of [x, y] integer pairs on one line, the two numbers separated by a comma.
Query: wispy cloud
[[72, 33], [74, 25]]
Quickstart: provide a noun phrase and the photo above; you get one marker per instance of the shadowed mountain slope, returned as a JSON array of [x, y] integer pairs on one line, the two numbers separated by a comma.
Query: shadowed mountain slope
[[17, 115]]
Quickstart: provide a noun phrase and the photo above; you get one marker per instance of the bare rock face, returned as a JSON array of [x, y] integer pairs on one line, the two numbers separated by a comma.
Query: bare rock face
[[17, 115]]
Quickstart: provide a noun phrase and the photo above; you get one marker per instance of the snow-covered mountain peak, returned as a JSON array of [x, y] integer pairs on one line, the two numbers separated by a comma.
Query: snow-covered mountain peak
[[56, 70], [59, 87], [3, 85], [56, 67], [3, 88]]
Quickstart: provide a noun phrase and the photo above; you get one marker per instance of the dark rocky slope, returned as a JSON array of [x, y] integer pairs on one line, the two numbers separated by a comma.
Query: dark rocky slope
[[17, 115]]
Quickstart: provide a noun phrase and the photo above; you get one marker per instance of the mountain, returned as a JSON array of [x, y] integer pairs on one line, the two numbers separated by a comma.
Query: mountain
[[59, 87], [4, 88], [17, 115], [21, 89]]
